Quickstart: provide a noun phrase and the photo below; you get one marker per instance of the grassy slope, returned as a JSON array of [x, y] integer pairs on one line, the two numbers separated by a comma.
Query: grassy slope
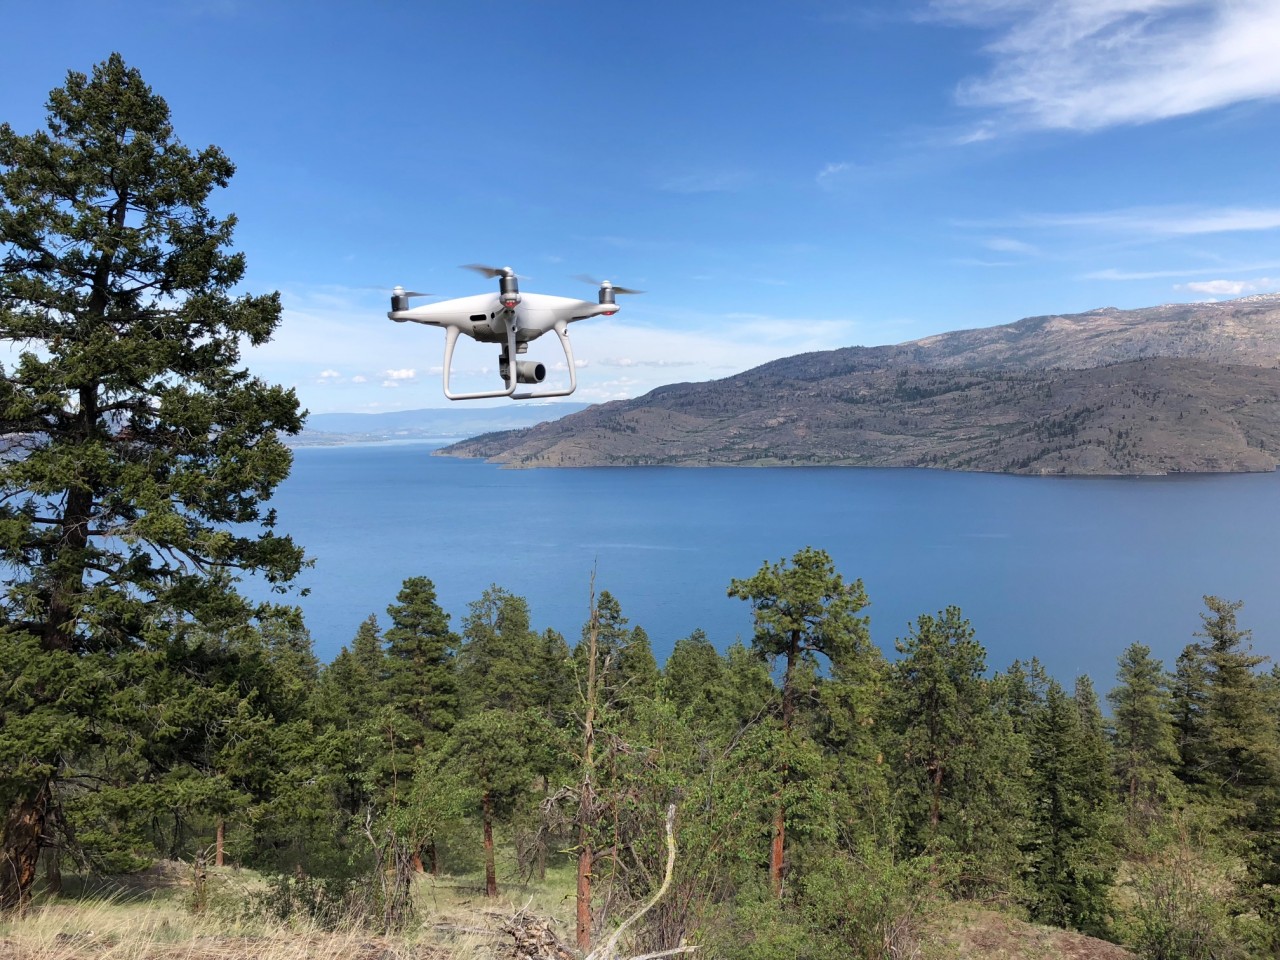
[[455, 923]]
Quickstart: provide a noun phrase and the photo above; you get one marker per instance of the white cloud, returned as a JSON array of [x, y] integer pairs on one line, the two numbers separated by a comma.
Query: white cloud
[[1010, 245], [1174, 222], [1150, 222], [359, 378], [714, 181], [1231, 288], [1090, 64], [1113, 274], [330, 375], [408, 374], [834, 173]]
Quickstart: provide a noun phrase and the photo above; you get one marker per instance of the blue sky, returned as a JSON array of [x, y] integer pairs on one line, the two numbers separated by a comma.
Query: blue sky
[[780, 177]]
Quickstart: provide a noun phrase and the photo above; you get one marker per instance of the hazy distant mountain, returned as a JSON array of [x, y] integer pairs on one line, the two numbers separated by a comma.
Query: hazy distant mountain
[[459, 420], [1176, 388]]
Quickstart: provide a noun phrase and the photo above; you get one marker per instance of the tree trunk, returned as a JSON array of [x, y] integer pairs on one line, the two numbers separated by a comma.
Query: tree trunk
[[586, 790], [583, 930], [935, 800], [23, 830], [490, 871], [220, 837], [433, 859], [778, 848], [52, 872]]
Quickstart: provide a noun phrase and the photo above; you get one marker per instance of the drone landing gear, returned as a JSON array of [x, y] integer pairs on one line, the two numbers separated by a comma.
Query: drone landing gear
[[513, 373]]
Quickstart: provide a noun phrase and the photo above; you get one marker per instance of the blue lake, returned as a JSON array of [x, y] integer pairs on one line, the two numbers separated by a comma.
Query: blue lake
[[1069, 570]]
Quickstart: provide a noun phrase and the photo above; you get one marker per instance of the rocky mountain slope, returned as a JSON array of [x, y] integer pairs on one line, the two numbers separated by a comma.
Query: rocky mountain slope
[[1177, 388]]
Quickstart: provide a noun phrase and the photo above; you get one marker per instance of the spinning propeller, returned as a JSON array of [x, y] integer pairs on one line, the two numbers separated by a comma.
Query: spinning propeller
[[400, 297], [607, 289], [508, 288]]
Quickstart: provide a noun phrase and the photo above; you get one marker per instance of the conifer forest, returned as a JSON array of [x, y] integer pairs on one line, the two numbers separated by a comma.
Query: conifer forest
[[812, 793]]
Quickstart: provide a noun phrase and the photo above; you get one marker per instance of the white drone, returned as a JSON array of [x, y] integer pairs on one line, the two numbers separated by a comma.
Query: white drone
[[510, 319]]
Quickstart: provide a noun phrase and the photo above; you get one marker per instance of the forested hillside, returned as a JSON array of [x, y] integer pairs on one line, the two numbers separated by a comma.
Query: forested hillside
[[832, 795], [1178, 388]]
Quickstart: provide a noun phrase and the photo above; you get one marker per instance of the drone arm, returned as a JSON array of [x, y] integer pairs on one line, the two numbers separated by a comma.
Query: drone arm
[[451, 340], [562, 331]]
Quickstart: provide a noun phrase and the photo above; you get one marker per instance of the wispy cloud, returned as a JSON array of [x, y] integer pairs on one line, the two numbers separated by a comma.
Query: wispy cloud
[[713, 181], [1173, 222], [1231, 288], [1010, 245], [836, 173], [1091, 64], [1146, 222], [1113, 274]]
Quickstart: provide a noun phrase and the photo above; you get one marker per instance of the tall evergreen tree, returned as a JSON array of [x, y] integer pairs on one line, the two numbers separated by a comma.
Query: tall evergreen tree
[[1072, 858], [1241, 758], [802, 610], [637, 672], [421, 685], [499, 656], [144, 452], [938, 703], [694, 677], [1142, 718]]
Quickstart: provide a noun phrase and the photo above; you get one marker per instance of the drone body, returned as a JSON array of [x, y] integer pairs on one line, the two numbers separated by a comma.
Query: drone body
[[511, 319]]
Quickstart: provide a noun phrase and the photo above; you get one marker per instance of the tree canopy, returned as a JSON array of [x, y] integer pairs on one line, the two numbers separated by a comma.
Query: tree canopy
[[139, 452]]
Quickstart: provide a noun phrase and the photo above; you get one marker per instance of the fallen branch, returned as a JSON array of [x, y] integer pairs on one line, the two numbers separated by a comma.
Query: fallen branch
[[608, 950]]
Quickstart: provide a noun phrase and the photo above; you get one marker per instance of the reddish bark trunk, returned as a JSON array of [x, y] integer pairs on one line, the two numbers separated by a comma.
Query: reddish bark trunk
[[777, 850], [220, 837], [584, 893], [23, 830]]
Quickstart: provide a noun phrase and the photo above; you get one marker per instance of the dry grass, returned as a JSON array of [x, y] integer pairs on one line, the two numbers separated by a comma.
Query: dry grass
[[968, 932], [454, 922]]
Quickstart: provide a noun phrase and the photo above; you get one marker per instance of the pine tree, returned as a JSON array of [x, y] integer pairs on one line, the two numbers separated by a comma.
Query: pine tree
[[1142, 717], [1241, 758], [140, 452], [938, 705], [494, 749], [1072, 858], [499, 656], [802, 610], [694, 677], [638, 677], [1190, 698], [421, 684]]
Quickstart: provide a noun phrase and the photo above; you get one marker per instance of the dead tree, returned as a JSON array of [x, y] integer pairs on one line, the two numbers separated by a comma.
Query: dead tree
[[586, 788], [609, 950]]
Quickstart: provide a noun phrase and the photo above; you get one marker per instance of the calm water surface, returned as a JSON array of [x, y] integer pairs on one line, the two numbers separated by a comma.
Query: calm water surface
[[1069, 570]]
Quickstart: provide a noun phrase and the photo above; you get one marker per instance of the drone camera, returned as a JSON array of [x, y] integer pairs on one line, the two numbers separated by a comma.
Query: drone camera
[[527, 371], [530, 371]]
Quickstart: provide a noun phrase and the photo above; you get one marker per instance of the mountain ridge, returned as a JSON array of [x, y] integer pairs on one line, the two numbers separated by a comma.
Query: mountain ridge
[[1166, 389]]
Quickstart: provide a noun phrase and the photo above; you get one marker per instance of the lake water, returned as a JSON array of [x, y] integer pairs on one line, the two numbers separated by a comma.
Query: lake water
[[1067, 569]]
